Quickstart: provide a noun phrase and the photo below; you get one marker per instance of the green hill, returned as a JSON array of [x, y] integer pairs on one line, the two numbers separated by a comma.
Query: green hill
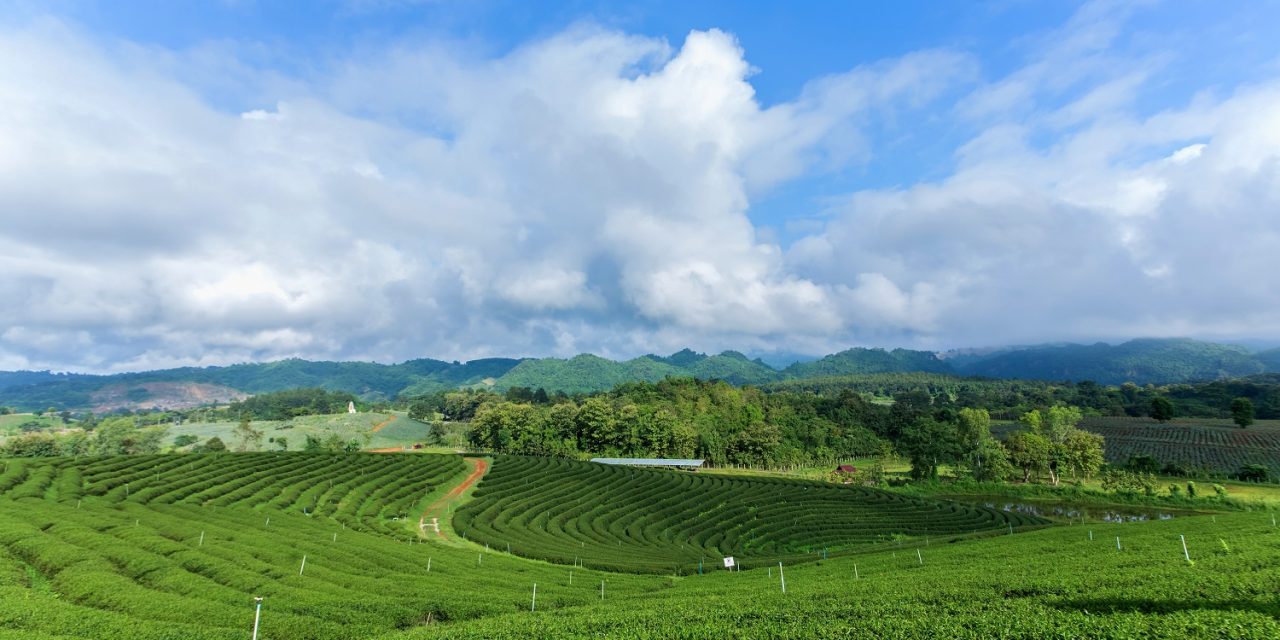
[[1155, 361], [1139, 361], [862, 361]]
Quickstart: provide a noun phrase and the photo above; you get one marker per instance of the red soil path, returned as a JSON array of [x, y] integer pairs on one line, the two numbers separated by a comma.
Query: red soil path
[[480, 466], [378, 427]]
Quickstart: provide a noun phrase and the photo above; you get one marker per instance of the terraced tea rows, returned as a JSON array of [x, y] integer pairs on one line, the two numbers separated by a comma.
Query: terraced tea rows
[[109, 549], [628, 519], [163, 562], [362, 491], [1056, 582]]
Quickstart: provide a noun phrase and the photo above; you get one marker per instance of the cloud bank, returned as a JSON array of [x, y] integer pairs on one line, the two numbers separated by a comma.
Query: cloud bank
[[592, 191]]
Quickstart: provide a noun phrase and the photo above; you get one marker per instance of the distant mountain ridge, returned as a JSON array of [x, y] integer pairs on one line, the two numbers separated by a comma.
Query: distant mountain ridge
[[1140, 361]]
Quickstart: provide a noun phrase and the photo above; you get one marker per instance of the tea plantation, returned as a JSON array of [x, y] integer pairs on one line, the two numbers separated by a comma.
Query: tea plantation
[[177, 546], [629, 519]]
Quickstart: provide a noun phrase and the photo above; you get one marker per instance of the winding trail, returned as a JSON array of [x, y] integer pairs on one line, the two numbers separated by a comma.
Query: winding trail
[[432, 515]]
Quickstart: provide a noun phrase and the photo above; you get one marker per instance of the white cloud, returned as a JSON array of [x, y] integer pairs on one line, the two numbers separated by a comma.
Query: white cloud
[[591, 191]]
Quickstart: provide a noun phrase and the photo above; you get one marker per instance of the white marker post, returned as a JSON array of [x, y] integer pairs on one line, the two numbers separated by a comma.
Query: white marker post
[[304, 564], [1118, 548], [602, 589], [919, 557], [855, 572], [428, 565], [335, 536], [268, 524], [1091, 534], [201, 539], [1185, 553], [571, 578], [783, 577], [257, 614], [533, 606]]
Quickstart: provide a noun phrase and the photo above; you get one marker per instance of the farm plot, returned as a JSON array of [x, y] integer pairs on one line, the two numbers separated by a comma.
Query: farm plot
[[629, 519], [361, 491], [181, 556], [1206, 445]]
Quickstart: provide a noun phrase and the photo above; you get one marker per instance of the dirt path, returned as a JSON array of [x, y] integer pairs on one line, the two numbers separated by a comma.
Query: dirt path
[[436, 510], [378, 427]]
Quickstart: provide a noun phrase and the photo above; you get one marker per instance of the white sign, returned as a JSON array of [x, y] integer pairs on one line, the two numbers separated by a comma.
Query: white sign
[[728, 562]]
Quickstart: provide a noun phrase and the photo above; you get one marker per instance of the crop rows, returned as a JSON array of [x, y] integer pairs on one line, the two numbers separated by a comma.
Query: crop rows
[[165, 563], [1219, 449], [363, 491], [630, 519]]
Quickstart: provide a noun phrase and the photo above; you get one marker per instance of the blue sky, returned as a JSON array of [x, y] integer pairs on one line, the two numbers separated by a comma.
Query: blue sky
[[203, 183]]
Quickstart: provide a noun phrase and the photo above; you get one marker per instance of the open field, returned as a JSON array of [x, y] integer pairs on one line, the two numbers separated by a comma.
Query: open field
[[11, 424], [176, 546], [668, 521], [393, 430]]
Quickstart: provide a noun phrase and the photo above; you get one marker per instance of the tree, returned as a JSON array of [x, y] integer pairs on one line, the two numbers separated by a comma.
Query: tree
[[1242, 412], [928, 443], [184, 440], [978, 450], [313, 444], [283, 443], [214, 445], [1081, 453], [247, 435], [1162, 409], [1028, 451]]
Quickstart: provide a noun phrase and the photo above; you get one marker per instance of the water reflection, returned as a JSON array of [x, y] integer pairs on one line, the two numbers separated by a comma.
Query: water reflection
[[1073, 512]]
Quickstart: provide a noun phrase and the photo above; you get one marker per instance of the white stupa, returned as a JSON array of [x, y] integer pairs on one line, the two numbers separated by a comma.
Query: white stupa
[[351, 407]]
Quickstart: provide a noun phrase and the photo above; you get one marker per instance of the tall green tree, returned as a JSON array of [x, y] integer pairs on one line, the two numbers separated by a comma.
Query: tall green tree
[[1242, 412], [1161, 409]]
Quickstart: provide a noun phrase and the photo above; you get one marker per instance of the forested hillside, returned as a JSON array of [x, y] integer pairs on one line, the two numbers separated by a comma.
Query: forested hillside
[[1140, 361], [1147, 361]]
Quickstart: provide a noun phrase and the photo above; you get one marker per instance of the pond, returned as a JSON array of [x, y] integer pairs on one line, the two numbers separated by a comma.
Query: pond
[[1074, 511]]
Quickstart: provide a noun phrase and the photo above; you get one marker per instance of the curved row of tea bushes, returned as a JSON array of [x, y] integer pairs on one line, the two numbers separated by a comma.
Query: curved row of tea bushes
[[373, 492], [104, 565], [630, 519], [1053, 582]]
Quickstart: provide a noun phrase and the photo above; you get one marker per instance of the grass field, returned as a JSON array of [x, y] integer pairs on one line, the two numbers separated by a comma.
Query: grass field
[[393, 430], [10, 424], [169, 547]]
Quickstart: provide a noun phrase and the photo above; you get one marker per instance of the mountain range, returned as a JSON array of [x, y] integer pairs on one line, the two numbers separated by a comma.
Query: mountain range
[[1139, 361]]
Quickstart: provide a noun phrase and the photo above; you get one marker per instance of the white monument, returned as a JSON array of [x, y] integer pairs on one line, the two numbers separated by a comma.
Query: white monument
[[351, 407]]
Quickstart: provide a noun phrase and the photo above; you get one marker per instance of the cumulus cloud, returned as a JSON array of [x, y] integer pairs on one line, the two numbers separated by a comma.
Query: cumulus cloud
[[590, 191]]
